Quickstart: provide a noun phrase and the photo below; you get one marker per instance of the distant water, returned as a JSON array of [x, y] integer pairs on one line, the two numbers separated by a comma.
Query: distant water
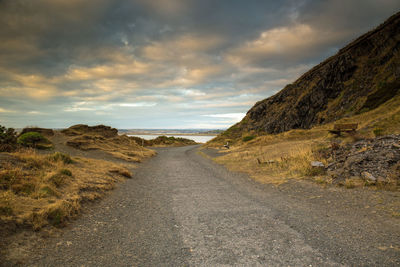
[[196, 138]]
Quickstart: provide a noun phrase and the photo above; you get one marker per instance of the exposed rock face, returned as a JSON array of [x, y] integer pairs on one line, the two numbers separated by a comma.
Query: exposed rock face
[[81, 129], [360, 77], [373, 160]]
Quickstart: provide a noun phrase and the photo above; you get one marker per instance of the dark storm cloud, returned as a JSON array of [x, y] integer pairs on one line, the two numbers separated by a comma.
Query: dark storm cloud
[[163, 63]]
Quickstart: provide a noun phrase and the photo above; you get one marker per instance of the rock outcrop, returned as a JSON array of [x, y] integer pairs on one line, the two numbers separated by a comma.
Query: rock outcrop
[[81, 129], [374, 160], [360, 77]]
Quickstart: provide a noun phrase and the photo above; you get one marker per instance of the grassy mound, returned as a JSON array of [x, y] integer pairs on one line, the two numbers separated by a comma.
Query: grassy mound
[[98, 130], [39, 190], [162, 141], [34, 140], [119, 146]]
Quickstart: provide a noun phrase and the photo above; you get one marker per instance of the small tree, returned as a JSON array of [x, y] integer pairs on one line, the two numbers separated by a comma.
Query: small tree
[[8, 139], [34, 139]]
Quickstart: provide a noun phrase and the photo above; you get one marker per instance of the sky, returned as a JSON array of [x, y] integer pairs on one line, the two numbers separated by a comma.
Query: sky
[[175, 64]]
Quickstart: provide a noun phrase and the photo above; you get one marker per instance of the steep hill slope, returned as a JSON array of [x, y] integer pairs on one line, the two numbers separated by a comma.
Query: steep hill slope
[[359, 78]]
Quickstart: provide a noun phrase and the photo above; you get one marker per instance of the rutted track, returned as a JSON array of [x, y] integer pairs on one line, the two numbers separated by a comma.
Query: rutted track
[[181, 209]]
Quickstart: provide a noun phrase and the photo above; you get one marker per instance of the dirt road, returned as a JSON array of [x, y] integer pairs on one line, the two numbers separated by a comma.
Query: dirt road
[[181, 209]]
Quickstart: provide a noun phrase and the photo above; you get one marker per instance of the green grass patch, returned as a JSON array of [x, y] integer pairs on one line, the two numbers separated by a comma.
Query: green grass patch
[[35, 140], [66, 172], [248, 138]]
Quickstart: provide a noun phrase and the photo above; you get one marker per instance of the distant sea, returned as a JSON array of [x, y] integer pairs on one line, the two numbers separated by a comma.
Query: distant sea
[[196, 138]]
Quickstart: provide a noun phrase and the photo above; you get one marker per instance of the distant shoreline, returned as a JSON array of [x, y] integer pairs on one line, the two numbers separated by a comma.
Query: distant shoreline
[[198, 138], [168, 133]]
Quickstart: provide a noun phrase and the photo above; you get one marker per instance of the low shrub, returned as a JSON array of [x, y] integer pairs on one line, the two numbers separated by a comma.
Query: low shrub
[[8, 139], [34, 139]]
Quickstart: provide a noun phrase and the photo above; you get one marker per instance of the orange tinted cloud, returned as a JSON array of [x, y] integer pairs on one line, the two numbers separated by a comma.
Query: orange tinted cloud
[[290, 42]]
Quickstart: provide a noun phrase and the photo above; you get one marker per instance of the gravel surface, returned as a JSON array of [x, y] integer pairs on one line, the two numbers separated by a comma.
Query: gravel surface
[[181, 209]]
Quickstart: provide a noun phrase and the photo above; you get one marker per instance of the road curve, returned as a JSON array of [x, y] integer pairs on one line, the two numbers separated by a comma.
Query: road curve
[[182, 209]]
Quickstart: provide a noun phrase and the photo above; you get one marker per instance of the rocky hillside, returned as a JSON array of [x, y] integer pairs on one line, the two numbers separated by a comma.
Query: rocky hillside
[[375, 160], [360, 77]]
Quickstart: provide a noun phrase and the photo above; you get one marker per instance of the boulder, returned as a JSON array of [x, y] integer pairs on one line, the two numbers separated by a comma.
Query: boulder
[[317, 164]]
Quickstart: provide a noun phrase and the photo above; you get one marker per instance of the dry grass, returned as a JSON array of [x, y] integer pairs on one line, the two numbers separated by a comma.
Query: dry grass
[[39, 190], [271, 162], [121, 147], [288, 155]]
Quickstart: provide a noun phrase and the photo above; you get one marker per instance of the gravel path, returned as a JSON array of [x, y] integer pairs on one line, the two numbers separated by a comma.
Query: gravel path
[[181, 209]]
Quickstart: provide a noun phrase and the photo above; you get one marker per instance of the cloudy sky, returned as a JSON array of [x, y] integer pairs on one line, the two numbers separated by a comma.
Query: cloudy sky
[[163, 63]]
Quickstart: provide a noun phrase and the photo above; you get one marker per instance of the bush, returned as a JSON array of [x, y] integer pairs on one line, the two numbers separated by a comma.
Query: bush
[[248, 138], [8, 139], [33, 139]]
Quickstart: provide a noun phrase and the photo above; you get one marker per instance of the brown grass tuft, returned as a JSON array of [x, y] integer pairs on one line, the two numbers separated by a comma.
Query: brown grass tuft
[[122, 171], [41, 190]]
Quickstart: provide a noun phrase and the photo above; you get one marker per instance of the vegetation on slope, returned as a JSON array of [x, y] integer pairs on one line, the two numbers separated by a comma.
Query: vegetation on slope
[[276, 158], [38, 190], [44, 188], [359, 78], [106, 139], [8, 139], [35, 140]]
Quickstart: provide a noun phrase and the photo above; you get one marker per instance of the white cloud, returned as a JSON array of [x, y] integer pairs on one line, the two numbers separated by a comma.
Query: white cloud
[[289, 43], [2, 110], [237, 116], [138, 104], [34, 112]]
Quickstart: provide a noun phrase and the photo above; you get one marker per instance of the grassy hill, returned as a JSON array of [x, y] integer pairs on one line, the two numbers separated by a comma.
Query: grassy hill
[[281, 135], [359, 78]]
